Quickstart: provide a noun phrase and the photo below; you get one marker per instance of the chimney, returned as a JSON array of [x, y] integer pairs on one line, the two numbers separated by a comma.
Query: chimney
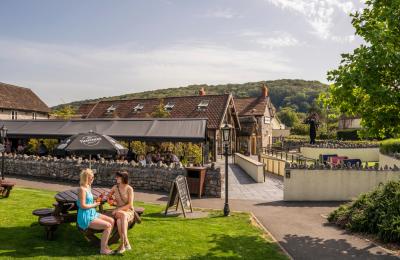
[[202, 92], [265, 91]]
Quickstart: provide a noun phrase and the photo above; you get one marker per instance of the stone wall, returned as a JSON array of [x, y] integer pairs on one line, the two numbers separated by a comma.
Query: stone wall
[[153, 177]]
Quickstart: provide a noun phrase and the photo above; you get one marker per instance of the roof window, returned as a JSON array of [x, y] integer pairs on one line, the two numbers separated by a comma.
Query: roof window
[[169, 106], [203, 105], [111, 109], [138, 108]]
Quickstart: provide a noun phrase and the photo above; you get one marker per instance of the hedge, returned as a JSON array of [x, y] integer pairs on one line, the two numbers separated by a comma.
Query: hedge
[[390, 146], [376, 212], [351, 134]]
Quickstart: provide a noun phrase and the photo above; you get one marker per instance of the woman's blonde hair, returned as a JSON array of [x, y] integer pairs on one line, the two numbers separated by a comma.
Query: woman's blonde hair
[[84, 177]]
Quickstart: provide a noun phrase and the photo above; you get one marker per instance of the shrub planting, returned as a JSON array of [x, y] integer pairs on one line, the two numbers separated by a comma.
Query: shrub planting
[[390, 147], [376, 212]]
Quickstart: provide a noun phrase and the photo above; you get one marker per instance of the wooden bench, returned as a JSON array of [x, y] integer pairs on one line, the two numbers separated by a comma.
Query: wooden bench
[[90, 234], [50, 223], [5, 188], [45, 212]]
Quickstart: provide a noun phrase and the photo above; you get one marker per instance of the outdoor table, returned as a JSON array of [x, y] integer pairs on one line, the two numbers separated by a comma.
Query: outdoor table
[[71, 196]]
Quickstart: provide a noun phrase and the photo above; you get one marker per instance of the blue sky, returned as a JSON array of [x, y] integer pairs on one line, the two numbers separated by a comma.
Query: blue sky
[[72, 50]]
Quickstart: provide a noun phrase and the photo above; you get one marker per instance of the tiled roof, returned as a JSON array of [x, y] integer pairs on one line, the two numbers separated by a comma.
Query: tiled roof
[[85, 109], [19, 98], [184, 107], [254, 106]]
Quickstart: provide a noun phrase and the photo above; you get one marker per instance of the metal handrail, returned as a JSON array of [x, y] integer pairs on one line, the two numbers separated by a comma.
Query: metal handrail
[[288, 156]]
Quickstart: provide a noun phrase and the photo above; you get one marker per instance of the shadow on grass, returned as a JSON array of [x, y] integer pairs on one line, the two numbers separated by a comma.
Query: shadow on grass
[[241, 247], [306, 247], [160, 216], [29, 241]]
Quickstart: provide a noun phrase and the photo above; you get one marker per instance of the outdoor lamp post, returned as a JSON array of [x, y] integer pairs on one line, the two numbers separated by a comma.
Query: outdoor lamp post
[[3, 134], [226, 137]]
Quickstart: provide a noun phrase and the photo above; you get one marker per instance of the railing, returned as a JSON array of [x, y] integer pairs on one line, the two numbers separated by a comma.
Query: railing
[[289, 156]]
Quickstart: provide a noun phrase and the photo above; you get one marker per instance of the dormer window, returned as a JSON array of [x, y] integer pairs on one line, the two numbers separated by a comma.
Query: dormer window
[[138, 108], [111, 109], [169, 106], [203, 105]]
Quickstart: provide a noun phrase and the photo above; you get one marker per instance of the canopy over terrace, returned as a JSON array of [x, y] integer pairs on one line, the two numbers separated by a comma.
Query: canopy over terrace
[[166, 130]]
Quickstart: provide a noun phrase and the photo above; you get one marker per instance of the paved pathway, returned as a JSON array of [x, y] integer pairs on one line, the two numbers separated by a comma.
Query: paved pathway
[[299, 227], [242, 186]]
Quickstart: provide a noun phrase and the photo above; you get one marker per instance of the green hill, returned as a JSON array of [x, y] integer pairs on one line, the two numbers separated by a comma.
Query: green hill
[[296, 93]]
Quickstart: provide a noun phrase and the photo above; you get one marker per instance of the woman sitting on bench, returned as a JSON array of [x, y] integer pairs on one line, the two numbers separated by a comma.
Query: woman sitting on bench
[[124, 213], [87, 215]]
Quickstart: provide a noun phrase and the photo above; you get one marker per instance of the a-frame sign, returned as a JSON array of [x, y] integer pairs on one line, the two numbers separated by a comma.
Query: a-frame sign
[[179, 194]]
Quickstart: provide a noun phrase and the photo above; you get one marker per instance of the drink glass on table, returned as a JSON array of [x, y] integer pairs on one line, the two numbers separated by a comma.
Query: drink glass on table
[[110, 201], [100, 198]]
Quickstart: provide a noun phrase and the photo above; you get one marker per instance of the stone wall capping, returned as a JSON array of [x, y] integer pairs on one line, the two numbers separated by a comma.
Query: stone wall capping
[[347, 167]]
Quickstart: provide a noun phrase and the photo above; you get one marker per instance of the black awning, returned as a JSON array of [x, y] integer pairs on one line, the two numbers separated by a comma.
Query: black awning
[[184, 130]]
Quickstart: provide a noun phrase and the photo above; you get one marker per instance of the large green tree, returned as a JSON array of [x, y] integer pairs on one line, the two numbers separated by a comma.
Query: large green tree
[[366, 83], [288, 116]]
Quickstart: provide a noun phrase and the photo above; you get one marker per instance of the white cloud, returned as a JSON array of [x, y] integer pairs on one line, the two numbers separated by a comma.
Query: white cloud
[[223, 13], [319, 14], [275, 39], [278, 41], [76, 72]]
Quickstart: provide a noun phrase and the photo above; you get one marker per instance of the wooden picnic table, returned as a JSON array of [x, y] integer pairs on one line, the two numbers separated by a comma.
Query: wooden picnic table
[[66, 200], [62, 213], [5, 188]]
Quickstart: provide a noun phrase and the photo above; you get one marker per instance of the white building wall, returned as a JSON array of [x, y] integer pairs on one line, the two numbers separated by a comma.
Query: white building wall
[[5, 114], [364, 154], [266, 131], [332, 185], [350, 123]]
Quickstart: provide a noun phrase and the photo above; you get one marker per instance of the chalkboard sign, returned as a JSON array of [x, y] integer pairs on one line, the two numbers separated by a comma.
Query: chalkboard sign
[[179, 194]]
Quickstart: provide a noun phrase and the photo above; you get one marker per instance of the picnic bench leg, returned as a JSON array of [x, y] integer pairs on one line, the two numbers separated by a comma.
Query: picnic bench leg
[[92, 238], [6, 192], [114, 237], [58, 209], [50, 230]]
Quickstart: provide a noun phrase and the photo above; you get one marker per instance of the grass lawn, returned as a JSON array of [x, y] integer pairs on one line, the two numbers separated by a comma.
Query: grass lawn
[[158, 237]]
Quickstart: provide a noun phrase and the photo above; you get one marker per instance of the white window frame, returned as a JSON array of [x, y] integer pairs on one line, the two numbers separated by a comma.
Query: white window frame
[[267, 120], [14, 115]]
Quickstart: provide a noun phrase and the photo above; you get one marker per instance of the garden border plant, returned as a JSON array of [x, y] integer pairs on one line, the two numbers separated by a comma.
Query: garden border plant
[[390, 147], [376, 212]]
